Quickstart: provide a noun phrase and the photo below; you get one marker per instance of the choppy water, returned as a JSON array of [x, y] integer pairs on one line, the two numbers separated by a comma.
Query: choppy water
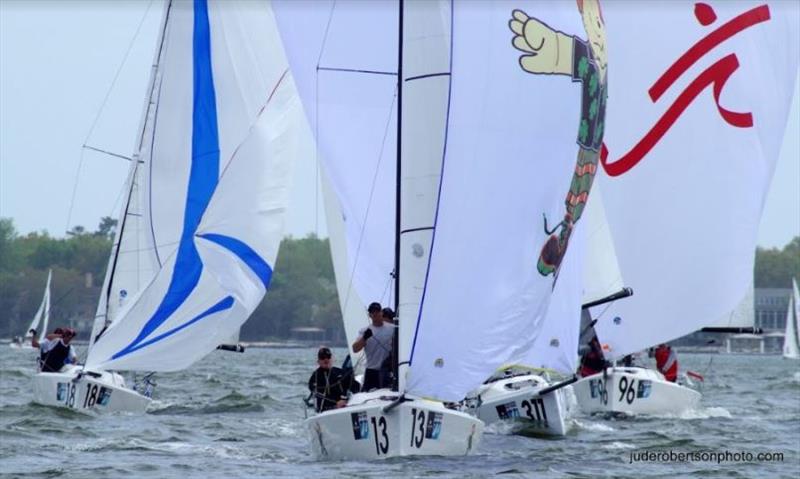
[[240, 415]]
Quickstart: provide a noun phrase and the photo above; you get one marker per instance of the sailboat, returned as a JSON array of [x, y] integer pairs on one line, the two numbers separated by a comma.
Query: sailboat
[[204, 212], [529, 397], [686, 262], [42, 316], [384, 120], [791, 342]]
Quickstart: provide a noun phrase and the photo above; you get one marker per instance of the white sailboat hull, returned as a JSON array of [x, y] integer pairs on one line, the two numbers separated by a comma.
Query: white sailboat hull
[[517, 399], [70, 389], [363, 431], [634, 391]]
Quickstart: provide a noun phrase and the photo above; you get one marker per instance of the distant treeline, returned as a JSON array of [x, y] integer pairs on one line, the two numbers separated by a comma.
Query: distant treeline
[[302, 293]]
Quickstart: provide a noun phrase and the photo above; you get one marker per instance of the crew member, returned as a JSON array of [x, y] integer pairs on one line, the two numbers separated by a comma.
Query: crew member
[[592, 362], [376, 341], [55, 350], [667, 362], [329, 384]]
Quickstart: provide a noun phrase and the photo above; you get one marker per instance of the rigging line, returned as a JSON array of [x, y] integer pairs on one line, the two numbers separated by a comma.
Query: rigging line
[[385, 289], [100, 111], [116, 202], [316, 118], [369, 202], [74, 190], [110, 153], [355, 70], [119, 70], [325, 36]]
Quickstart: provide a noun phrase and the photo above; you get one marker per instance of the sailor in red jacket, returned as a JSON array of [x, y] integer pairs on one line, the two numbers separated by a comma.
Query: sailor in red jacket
[[667, 362]]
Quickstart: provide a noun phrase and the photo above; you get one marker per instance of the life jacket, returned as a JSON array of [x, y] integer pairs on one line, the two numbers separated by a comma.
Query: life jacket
[[592, 363], [53, 360], [667, 363]]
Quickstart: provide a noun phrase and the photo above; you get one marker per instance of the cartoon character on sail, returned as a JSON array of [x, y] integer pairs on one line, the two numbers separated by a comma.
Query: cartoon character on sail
[[550, 52]]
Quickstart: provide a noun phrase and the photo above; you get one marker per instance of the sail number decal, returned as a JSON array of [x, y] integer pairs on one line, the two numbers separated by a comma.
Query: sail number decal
[[361, 426], [424, 425], [382, 443], [65, 392], [534, 409], [597, 389], [96, 394], [630, 390]]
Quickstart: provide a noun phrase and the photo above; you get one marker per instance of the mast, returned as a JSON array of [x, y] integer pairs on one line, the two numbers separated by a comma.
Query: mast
[[105, 296], [398, 195]]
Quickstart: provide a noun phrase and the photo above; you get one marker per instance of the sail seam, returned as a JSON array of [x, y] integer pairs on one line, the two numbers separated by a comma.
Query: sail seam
[[428, 75], [356, 70]]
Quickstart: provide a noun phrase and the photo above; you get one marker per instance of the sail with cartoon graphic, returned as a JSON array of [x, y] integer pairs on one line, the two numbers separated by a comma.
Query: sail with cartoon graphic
[[218, 145]]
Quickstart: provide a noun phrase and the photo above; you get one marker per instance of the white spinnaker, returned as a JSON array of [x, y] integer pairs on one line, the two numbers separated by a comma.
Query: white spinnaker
[[685, 218], [344, 60], [43, 313], [791, 341], [510, 156], [210, 284], [353, 308]]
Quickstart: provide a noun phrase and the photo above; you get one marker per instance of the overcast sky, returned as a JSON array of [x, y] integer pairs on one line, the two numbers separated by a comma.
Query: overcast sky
[[58, 60]]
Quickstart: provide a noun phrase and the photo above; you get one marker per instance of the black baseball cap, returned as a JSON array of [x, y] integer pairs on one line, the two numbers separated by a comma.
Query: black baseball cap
[[324, 353], [374, 307]]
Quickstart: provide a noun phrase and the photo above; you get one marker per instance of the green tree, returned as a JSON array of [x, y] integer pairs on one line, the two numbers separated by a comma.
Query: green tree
[[107, 227], [10, 259], [775, 267]]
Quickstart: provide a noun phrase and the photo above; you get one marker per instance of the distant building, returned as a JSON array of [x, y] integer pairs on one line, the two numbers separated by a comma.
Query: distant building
[[770, 308], [771, 305]]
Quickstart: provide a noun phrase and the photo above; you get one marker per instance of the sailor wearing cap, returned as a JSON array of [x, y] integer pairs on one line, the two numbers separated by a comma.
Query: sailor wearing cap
[[328, 384]]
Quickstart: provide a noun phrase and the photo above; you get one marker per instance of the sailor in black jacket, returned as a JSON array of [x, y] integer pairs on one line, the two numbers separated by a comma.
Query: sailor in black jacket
[[330, 385]]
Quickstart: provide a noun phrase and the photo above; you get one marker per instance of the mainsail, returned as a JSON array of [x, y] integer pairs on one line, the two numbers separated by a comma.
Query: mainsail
[[791, 341], [690, 147], [222, 135], [42, 314]]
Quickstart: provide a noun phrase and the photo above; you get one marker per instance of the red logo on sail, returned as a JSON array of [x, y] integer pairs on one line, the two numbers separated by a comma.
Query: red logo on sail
[[716, 76]]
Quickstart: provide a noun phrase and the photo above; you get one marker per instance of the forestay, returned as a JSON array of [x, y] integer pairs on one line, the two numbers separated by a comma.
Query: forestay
[[221, 153], [695, 124], [133, 261]]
